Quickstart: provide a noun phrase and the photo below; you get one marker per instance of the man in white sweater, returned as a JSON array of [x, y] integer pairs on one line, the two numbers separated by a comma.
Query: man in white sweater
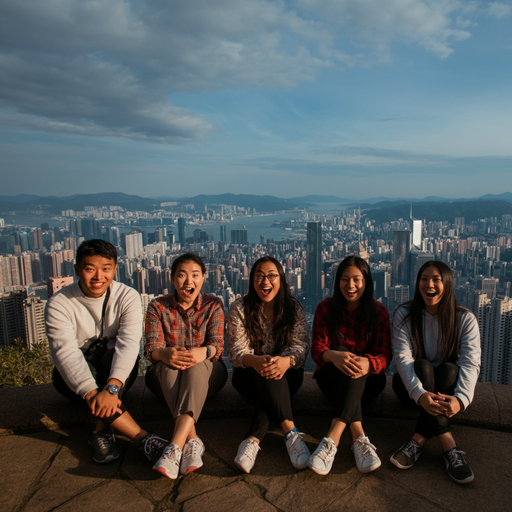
[[94, 329]]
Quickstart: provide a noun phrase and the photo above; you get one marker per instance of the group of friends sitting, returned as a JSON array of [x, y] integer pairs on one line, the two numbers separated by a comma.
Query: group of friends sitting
[[94, 329]]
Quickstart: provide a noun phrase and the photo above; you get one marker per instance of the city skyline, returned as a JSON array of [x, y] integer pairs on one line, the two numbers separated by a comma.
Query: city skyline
[[360, 99]]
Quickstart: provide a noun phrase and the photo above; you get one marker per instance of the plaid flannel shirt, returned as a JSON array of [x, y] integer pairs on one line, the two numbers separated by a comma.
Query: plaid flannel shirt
[[169, 325], [352, 331]]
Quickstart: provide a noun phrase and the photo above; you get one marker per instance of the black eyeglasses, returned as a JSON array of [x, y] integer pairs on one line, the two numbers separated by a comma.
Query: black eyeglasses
[[259, 278]]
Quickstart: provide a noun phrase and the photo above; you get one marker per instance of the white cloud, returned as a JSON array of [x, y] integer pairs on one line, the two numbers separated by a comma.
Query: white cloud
[[110, 67], [427, 23], [498, 10]]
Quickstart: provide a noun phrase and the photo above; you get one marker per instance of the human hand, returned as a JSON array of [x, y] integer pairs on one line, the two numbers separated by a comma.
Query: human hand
[[348, 363], [451, 405], [259, 363], [276, 367], [432, 403], [176, 357], [103, 404]]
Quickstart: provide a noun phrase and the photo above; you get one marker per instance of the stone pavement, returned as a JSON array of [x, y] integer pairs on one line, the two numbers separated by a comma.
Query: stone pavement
[[47, 466]]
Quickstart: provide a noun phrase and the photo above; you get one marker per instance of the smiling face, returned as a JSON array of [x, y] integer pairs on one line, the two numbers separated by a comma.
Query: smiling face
[[352, 285], [95, 273], [267, 282], [188, 280], [431, 288]]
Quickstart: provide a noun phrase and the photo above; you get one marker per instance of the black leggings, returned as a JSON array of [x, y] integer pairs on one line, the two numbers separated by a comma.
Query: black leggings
[[101, 373], [273, 397], [442, 379], [347, 393]]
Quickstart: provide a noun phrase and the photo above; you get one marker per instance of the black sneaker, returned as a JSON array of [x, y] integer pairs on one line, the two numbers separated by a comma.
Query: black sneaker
[[104, 446], [152, 446], [407, 454], [457, 467]]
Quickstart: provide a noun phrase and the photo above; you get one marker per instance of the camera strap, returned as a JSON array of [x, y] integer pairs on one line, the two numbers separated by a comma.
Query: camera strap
[[105, 302]]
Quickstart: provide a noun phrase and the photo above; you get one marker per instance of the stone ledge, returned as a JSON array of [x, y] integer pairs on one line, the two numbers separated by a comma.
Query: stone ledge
[[40, 408]]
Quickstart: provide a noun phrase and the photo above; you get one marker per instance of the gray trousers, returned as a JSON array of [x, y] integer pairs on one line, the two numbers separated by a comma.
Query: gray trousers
[[185, 391]]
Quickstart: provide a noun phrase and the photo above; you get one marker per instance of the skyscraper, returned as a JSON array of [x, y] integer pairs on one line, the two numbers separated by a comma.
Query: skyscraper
[[401, 259], [223, 234], [182, 231], [134, 247], [314, 263]]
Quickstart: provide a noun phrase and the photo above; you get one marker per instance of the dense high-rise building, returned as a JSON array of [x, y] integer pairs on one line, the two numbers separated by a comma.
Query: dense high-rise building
[[496, 340], [57, 283], [416, 260], [182, 237], [397, 295], [223, 237], [134, 247], [12, 317], [35, 329], [239, 236], [401, 259], [314, 263]]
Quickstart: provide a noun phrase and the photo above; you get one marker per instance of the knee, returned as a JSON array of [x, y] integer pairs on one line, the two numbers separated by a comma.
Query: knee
[[423, 367]]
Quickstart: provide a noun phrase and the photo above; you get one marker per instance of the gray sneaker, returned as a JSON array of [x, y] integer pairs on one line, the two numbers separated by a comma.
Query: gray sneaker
[[152, 446], [104, 446], [457, 466], [407, 454]]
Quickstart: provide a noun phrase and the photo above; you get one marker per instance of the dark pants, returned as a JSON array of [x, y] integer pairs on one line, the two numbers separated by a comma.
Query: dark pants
[[101, 373], [273, 397], [347, 393], [442, 379]]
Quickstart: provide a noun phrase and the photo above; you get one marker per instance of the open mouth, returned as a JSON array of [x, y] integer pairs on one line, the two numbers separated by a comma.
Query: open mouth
[[188, 292], [266, 291], [430, 294]]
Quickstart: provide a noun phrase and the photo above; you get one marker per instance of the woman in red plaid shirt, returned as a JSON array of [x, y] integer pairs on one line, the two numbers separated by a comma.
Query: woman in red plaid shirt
[[184, 341], [352, 348]]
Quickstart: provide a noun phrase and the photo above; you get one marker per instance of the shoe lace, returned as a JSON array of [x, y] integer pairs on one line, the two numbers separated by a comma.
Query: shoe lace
[[251, 449], [152, 444], [455, 457], [296, 444], [366, 449], [170, 453], [410, 449], [103, 441], [192, 448], [325, 451]]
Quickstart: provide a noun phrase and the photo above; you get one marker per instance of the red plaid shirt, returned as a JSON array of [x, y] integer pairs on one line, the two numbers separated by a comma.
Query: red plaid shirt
[[169, 325], [352, 331]]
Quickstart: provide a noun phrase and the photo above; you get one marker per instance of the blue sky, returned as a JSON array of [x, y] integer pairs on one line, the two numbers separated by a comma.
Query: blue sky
[[356, 98]]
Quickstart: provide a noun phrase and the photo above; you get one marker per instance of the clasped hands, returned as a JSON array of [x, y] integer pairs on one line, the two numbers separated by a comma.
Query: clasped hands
[[350, 364], [179, 358], [102, 403], [438, 404], [271, 367]]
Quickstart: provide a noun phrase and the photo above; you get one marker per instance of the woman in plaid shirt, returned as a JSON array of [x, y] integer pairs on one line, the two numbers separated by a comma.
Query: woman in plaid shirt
[[352, 349], [268, 344], [185, 341]]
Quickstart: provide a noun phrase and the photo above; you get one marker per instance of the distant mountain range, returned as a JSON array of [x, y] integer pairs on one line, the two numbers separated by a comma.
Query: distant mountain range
[[380, 209]]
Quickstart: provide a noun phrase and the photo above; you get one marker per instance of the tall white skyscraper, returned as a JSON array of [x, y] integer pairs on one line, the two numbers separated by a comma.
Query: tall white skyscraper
[[134, 247]]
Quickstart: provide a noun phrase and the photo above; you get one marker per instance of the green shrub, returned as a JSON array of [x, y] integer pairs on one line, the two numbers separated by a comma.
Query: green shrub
[[22, 367]]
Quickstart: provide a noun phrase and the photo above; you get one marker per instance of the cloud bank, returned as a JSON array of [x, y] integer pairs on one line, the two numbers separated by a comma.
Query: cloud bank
[[110, 68]]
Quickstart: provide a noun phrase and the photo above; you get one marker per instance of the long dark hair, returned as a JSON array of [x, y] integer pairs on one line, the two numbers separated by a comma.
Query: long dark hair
[[285, 306], [367, 307], [447, 313], [188, 256]]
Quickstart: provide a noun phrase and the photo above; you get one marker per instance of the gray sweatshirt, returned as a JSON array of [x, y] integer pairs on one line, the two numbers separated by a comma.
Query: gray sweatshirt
[[73, 320], [468, 358]]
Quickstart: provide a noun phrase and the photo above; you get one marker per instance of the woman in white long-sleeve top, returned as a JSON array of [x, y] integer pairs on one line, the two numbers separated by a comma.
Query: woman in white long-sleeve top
[[437, 353], [268, 344]]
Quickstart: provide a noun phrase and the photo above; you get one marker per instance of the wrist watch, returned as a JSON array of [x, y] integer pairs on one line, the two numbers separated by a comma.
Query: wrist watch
[[112, 389], [293, 361], [208, 352]]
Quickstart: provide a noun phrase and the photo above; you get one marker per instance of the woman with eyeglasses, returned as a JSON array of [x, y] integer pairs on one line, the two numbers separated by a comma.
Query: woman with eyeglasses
[[268, 344], [352, 349]]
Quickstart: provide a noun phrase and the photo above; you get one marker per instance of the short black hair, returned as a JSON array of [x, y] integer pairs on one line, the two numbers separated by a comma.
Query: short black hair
[[96, 247], [189, 256]]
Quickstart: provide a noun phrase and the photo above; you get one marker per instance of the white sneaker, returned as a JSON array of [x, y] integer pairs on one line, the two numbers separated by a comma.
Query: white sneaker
[[323, 457], [297, 450], [246, 456], [364, 452], [169, 463], [191, 458]]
